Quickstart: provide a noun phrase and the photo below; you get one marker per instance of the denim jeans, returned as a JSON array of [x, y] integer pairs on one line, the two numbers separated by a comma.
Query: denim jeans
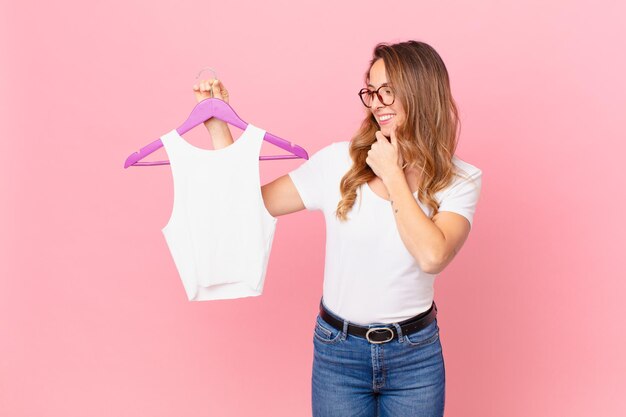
[[355, 378]]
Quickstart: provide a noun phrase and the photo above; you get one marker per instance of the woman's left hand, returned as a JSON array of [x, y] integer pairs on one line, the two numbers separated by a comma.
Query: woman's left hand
[[383, 156]]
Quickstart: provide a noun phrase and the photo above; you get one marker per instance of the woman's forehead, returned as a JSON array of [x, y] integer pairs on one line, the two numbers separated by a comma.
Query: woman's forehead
[[377, 75]]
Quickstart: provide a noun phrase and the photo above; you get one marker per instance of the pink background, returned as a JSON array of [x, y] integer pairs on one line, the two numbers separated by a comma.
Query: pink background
[[93, 317]]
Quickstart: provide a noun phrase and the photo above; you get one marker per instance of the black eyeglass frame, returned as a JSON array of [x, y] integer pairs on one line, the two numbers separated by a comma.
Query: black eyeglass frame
[[366, 90]]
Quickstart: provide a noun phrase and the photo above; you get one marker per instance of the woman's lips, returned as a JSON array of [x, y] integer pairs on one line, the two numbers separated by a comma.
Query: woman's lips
[[384, 122]]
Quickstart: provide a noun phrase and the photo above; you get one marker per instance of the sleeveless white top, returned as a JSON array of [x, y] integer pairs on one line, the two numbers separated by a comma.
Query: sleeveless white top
[[219, 232]]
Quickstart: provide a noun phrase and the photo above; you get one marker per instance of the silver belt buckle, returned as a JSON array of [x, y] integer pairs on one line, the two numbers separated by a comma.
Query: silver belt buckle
[[367, 335]]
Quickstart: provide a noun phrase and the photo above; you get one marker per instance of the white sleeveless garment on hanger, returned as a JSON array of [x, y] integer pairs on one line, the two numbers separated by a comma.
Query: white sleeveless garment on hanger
[[219, 232]]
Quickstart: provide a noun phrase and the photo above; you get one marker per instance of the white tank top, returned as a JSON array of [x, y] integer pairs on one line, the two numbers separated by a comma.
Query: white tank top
[[219, 232]]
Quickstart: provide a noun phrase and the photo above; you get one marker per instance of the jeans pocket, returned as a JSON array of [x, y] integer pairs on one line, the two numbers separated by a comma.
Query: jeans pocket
[[326, 333], [424, 337]]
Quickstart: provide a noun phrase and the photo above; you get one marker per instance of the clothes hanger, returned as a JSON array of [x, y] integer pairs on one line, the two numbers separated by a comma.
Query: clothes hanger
[[203, 111]]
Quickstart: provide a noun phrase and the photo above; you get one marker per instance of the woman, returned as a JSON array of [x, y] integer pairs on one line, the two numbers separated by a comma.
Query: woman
[[376, 341]]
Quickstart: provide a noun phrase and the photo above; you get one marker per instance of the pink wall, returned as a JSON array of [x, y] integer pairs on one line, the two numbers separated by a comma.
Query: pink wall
[[93, 317]]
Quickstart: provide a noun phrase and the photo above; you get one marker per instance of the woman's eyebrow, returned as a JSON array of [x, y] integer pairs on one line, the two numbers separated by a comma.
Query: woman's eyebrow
[[370, 85]]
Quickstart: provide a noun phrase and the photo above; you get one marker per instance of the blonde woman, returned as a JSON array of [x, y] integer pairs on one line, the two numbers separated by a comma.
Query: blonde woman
[[398, 204]]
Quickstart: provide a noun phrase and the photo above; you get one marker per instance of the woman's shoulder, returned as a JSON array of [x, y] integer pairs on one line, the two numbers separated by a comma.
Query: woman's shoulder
[[337, 157], [339, 147], [336, 150], [468, 177], [464, 168], [342, 148], [334, 147]]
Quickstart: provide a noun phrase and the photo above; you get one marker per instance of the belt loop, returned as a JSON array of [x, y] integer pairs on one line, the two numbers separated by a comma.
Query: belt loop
[[399, 330], [344, 332]]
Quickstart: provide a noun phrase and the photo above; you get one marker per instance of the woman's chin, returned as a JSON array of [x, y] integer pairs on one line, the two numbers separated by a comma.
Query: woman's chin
[[386, 130]]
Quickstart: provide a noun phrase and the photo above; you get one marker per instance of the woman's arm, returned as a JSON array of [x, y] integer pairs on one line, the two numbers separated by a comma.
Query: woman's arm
[[433, 243], [281, 196]]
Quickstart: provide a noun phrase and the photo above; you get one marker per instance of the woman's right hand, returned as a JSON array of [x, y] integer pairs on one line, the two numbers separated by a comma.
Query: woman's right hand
[[218, 129], [203, 90]]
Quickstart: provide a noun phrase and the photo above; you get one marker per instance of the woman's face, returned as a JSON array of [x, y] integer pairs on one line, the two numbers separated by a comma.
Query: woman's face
[[377, 78]]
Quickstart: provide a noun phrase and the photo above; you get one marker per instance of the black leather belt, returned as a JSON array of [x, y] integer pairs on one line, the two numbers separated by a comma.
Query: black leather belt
[[382, 334]]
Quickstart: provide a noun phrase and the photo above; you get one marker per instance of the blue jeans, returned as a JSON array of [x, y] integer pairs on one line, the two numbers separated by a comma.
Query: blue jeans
[[355, 378]]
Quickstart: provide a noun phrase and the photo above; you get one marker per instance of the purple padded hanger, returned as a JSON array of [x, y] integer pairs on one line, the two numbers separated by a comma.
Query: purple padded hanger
[[204, 110]]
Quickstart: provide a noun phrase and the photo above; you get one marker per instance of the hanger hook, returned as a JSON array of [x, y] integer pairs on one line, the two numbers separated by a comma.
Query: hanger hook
[[214, 76]]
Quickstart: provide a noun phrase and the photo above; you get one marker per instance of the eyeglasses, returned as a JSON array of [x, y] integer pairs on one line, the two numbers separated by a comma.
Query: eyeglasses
[[386, 96]]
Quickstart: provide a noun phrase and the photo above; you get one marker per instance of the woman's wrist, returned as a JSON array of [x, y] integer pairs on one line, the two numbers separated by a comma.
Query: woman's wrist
[[220, 133]]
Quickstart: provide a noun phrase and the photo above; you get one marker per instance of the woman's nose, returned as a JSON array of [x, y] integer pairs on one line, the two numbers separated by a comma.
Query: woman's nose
[[375, 99]]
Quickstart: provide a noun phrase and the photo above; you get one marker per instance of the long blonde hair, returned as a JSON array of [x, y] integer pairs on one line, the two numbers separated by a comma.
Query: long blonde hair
[[427, 139]]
